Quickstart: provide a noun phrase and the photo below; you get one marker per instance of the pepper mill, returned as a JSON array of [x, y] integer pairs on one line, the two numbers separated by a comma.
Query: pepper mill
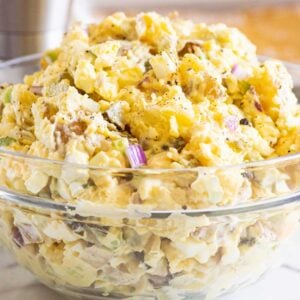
[[31, 26]]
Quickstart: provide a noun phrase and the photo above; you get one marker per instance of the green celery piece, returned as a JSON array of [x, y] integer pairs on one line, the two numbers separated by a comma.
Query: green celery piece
[[120, 144], [52, 54], [6, 141], [7, 94], [244, 86]]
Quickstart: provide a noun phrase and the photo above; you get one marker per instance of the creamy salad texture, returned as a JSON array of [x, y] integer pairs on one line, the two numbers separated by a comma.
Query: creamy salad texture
[[190, 94], [157, 93], [127, 115], [166, 259]]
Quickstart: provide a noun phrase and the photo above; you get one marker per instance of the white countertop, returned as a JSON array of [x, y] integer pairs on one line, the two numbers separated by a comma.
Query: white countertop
[[280, 284]]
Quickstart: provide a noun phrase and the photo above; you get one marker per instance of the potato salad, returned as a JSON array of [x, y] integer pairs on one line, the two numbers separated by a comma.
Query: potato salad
[[126, 130], [157, 93], [190, 94]]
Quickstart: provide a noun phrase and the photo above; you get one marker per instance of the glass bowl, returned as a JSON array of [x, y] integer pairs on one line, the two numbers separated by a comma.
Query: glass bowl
[[105, 233]]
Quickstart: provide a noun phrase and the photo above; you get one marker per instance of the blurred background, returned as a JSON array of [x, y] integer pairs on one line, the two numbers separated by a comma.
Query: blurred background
[[273, 25]]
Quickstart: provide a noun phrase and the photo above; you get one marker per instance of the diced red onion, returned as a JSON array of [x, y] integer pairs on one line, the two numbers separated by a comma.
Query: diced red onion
[[232, 123], [25, 234], [239, 72], [136, 156], [234, 68], [29, 234], [17, 237]]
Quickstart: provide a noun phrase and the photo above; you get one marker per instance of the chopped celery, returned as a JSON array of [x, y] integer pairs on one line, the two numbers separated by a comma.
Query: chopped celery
[[244, 86], [7, 94], [52, 54], [120, 144], [6, 141]]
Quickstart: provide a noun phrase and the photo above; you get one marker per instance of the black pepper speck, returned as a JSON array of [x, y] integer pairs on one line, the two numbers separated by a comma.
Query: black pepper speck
[[244, 121]]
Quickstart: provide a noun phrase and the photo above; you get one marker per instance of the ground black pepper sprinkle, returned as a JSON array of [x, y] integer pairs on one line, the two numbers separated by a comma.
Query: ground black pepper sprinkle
[[248, 241], [258, 106], [127, 176], [244, 121], [178, 144], [248, 175], [147, 65]]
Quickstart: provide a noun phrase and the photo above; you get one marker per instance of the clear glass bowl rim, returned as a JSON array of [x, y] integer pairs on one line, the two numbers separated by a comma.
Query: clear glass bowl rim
[[38, 202]]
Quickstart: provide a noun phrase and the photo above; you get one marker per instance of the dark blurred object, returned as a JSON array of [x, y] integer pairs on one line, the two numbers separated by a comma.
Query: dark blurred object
[[29, 26]]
